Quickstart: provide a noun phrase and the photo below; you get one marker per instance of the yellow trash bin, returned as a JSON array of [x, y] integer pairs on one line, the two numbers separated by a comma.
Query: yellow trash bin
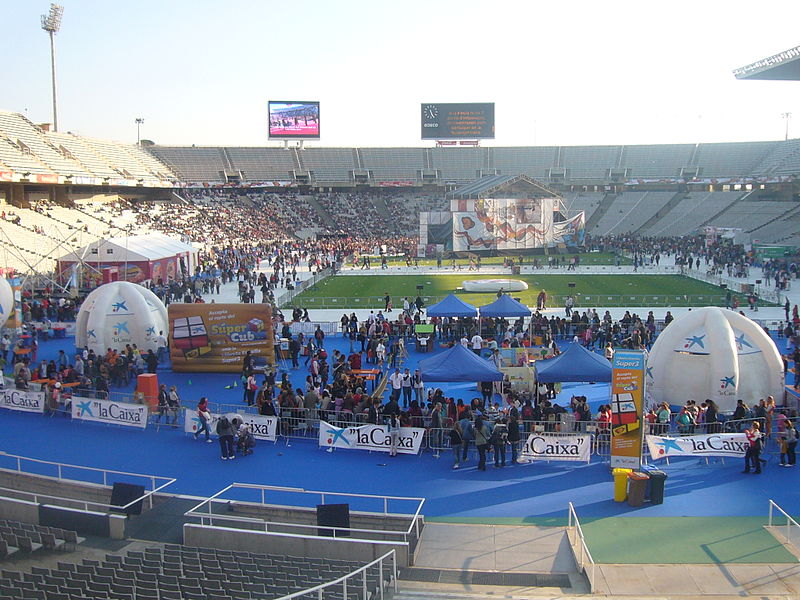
[[621, 484]]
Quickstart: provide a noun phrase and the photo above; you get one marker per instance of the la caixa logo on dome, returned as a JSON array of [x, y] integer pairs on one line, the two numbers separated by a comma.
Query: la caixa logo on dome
[[252, 331]]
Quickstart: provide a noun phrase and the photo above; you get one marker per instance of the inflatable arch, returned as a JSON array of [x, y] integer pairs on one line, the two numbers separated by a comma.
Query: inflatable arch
[[120, 313], [717, 354], [6, 301]]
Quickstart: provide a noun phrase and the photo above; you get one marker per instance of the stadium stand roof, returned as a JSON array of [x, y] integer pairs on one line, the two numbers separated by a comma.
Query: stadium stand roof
[[784, 66], [491, 184]]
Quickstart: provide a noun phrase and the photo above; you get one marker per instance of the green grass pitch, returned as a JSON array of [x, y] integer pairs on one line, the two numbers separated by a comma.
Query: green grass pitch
[[367, 291]]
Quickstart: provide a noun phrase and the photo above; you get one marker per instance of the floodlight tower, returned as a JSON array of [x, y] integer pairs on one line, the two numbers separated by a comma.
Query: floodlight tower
[[51, 23], [139, 121], [786, 116]]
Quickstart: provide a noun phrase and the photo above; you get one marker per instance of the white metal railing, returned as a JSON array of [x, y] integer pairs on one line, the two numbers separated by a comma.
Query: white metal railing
[[577, 542], [790, 522], [60, 467], [319, 590], [204, 510]]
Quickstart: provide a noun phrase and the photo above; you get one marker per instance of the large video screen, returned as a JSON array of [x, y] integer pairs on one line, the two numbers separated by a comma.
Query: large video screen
[[289, 120], [473, 121]]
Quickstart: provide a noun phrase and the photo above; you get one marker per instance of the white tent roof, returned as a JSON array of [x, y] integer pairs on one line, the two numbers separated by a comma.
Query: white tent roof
[[133, 248]]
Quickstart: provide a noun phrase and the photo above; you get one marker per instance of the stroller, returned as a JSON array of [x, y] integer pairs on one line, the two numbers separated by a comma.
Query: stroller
[[245, 441]]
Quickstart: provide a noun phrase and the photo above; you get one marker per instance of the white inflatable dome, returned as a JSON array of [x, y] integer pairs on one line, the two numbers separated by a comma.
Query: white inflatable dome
[[6, 300], [120, 313], [494, 285], [717, 354]]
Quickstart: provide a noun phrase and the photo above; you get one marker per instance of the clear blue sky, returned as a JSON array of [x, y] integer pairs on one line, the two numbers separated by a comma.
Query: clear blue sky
[[560, 72]]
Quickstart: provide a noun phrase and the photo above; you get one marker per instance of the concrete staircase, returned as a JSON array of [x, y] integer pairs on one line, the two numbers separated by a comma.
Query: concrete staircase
[[472, 561]]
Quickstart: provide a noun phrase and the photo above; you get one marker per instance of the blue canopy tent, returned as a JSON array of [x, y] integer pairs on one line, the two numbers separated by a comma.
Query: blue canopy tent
[[458, 364], [452, 306], [505, 306], [576, 363]]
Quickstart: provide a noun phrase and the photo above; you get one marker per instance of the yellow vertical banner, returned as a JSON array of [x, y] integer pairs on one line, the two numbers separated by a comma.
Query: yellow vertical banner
[[15, 317], [627, 408]]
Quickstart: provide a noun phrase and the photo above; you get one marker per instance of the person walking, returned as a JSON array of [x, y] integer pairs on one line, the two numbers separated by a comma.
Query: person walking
[[163, 404], [752, 456], [456, 440], [173, 405], [498, 440], [393, 429], [204, 418], [407, 386], [788, 444], [251, 386], [225, 431], [513, 437], [482, 433]]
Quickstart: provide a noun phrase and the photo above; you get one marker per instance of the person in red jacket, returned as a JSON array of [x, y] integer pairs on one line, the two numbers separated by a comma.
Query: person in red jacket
[[204, 417], [753, 455]]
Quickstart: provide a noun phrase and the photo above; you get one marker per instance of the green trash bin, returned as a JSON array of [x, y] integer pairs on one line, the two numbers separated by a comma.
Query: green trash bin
[[637, 484], [657, 479]]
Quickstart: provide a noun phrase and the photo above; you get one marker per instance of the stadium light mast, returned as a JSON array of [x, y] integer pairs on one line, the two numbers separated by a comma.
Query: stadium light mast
[[786, 116], [139, 121], [51, 23]]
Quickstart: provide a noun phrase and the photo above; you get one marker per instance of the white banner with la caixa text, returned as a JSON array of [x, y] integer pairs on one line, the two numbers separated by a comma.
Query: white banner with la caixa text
[[370, 437], [22, 400], [262, 428], [545, 446], [106, 411], [711, 444]]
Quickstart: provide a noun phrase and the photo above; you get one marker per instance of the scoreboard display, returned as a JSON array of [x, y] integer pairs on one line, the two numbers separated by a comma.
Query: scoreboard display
[[293, 120], [472, 121]]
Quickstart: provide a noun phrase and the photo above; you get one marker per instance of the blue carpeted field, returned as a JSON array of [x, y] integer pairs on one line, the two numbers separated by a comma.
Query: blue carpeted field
[[538, 491]]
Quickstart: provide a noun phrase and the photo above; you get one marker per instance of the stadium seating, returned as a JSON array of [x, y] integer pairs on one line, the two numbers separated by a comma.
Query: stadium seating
[[129, 163], [193, 164], [588, 202], [27, 538], [632, 210], [329, 165], [393, 164], [28, 149], [30, 139], [693, 211], [750, 215], [95, 163], [664, 160], [732, 159], [535, 162], [458, 165], [590, 162], [262, 164], [176, 572]]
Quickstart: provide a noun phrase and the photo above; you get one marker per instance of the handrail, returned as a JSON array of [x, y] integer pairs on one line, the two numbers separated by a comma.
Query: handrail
[[584, 549], [789, 520], [60, 466], [343, 580], [196, 512], [225, 517]]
